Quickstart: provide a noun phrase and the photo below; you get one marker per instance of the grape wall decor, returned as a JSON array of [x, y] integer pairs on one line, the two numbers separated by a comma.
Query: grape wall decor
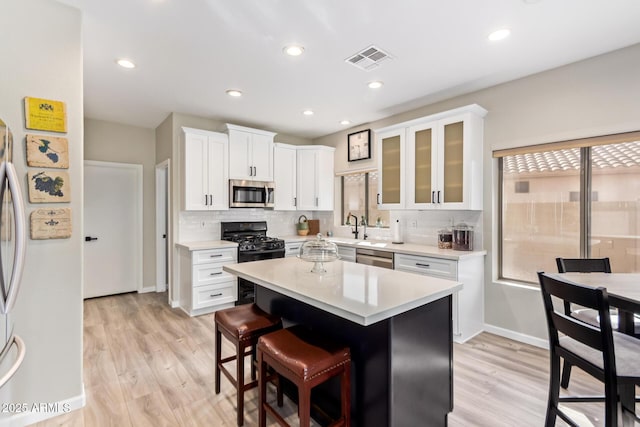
[[45, 151], [48, 186]]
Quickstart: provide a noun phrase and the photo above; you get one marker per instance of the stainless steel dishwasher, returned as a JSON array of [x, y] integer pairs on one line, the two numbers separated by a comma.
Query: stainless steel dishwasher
[[374, 257]]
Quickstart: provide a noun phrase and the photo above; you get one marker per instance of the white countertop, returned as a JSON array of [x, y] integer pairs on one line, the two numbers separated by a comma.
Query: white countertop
[[403, 248], [357, 292], [208, 244]]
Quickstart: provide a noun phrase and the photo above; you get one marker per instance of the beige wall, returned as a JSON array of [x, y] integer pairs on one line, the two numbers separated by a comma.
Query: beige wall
[[48, 312], [113, 142], [593, 97]]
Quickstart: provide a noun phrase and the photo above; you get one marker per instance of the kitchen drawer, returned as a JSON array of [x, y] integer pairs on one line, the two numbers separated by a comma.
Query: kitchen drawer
[[206, 296], [205, 274], [438, 267], [292, 249], [227, 256], [347, 253]]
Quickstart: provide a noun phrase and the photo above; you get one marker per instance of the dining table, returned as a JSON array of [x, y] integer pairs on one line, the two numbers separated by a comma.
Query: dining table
[[623, 292]]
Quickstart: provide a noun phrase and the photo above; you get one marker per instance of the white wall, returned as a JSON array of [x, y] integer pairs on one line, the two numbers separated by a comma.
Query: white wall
[[42, 57], [114, 142], [594, 97]]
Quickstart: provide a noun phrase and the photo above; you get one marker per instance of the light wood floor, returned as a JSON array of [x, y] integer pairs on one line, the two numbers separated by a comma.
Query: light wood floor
[[146, 364]]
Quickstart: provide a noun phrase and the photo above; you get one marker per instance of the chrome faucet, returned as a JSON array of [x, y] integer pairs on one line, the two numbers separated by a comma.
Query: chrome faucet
[[356, 224], [364, 224]]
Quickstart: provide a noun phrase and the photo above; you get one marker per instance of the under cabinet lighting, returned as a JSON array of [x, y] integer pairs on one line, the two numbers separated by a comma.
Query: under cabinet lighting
[[125, 63]]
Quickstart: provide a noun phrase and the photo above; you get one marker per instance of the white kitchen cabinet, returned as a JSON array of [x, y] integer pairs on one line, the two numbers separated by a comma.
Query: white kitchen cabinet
[[284, 177], [440, 161], [315, 181], [468, 303], [292, 248], [204, 287], [390, 149], [205, 170], [250, 153]]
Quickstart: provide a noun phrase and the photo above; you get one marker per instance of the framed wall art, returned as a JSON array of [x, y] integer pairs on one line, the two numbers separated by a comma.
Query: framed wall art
[[359, 145]]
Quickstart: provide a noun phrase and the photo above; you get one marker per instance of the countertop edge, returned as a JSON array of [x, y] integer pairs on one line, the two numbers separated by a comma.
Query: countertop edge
[[206, 244]]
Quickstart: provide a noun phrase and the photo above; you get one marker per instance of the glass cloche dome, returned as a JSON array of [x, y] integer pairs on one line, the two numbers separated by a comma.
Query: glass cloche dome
[[318, 251]]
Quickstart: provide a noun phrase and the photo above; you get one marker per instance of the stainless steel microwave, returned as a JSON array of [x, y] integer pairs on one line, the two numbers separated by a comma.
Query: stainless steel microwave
[[250, 194]]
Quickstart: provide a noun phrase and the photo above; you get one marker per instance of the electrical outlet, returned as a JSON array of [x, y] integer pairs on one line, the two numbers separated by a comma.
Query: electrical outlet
[[413, 223]]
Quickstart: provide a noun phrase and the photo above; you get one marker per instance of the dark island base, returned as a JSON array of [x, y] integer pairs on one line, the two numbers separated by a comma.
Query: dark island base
[[402, 368]]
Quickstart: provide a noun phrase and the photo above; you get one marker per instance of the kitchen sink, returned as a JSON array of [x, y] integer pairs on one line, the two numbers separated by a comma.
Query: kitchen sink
[[373, 245]]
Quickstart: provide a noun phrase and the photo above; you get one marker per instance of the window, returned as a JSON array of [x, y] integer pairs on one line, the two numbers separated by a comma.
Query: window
[[359, 192], [573, 199]]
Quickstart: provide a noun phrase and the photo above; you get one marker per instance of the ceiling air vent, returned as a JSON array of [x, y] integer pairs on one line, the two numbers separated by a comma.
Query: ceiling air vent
[[369, 58]]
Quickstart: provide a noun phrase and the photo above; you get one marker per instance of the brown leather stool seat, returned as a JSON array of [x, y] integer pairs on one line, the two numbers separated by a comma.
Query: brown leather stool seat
[[242, 325], [306, 359]]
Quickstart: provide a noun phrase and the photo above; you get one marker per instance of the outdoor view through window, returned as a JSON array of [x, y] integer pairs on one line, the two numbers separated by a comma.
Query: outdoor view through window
[[541, 208]]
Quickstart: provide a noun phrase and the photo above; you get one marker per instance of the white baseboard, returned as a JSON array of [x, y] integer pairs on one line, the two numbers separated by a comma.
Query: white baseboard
[[37, 412], [176, 304], [517, 336], [147, 289]]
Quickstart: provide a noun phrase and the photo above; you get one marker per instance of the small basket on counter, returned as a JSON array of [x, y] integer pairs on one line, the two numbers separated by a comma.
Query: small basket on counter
[[302, 226], [318, 252]]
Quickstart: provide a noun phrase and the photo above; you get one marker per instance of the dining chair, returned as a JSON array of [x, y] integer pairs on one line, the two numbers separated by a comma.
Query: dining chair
[[581, 265], [608, 356]]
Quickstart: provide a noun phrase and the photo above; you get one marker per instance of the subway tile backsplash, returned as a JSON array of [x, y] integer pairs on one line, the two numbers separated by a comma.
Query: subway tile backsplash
[[420, 227]]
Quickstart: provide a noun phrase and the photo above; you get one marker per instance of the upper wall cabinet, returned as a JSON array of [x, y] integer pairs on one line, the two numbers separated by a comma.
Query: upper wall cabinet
[[250, 153], [204, 170], [315, 181], [440, 165], [284, 177]]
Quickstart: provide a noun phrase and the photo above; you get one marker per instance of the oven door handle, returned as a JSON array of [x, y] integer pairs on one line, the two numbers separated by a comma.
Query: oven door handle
[[266, 251]]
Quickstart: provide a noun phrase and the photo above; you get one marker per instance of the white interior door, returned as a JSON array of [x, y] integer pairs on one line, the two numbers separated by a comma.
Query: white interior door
[[112, 228], [162, 226]]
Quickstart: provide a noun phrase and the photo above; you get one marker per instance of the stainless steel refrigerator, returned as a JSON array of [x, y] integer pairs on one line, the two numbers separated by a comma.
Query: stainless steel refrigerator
[[12, 252]]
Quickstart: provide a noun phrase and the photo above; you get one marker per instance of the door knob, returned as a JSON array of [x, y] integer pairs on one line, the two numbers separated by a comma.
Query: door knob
[[89, 238]]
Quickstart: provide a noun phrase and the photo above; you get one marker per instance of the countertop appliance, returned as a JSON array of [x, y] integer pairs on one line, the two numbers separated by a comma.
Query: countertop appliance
[[12, 252], [251, 194], [374, 257], [253, 245]]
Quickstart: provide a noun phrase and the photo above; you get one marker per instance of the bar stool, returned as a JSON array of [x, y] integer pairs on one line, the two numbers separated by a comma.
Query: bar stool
[[242, 325], [307, 360]]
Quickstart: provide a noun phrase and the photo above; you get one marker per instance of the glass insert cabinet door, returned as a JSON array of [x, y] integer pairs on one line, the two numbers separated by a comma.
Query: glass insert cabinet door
[[391, 165], [453, 171]]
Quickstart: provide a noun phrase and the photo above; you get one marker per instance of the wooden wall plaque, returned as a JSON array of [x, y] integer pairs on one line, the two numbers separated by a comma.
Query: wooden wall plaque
[[50, 186], [45, 114], [51, 224]]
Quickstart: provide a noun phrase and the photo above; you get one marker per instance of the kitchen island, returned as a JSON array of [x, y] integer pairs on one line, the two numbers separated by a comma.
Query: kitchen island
[[398, 326]]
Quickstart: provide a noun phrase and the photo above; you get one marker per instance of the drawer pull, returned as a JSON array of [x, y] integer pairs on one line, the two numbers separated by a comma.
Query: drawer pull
[[215, 256], [216, 295], [422, 265], [215, 274]]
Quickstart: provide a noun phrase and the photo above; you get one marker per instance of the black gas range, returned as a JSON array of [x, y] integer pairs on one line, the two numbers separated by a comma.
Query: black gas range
[[253, 245]]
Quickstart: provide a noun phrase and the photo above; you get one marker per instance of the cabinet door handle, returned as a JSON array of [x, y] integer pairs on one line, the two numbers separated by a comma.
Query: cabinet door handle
[[418, 264], [211, 198], [215, 255], [206, 200], [438, 196], [378, 198], [216, 295], [295, 201], [433, 197], [216, 274], [250, 171], [316, 201], [255, 171]]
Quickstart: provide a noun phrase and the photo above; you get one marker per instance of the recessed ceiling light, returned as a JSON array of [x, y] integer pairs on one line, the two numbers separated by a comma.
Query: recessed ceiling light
[[293, 50], [499, 34], [345, 122], [375, 85], [234, 92], [307, 113], [125, 63]]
